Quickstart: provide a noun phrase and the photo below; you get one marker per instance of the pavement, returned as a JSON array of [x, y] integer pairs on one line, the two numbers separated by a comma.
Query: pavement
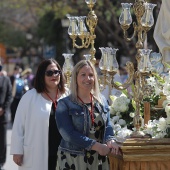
[[9, 165]]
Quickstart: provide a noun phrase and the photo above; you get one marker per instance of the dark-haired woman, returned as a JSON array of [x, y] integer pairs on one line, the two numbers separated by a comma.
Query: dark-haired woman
[[35, 137]]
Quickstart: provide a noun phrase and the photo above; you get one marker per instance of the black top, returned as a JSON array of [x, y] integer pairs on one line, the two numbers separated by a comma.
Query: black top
[[54, 135]]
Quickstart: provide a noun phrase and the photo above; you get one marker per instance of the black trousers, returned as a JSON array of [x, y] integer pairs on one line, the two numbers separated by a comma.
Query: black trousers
[[3, 143], [14, 106]]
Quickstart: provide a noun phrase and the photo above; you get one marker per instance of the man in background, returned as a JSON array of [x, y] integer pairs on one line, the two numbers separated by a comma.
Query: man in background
[[5, 101], [17, 89]]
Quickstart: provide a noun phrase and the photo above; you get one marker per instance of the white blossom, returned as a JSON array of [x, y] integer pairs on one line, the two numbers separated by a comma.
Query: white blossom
[[166, 89], [168, 120], [158, 91], [151, 81], [120, 104], [165, 102], [167, 110], [122, 122], [115, 119], [162, 124], [132, 114], [116, 127]]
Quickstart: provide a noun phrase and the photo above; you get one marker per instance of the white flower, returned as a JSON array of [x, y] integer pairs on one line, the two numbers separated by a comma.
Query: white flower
[[166, 89], [160, 135], [120, 104], [165, 102], [167, 110], [115, 119], [116, 127], [167, 78], [156, 128], [112, 111], [162, 124], [168, 120], [122, 122], [168, 97], [124, 132], [151, 81], [158, 91], [132, 114], [124, 108], [118, 114]]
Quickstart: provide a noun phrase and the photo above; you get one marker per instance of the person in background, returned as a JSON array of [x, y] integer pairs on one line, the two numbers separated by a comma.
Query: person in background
[[4, 73], [16, 74], [17, 89], [123, 74], [5, 101], [28, 77], [35, 137], [83, 120]]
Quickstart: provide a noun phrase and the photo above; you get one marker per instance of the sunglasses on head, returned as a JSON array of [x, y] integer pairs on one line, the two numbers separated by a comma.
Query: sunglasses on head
[[50, 73]]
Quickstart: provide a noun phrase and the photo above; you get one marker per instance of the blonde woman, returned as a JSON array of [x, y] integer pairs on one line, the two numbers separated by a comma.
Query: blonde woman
[[83, 120]]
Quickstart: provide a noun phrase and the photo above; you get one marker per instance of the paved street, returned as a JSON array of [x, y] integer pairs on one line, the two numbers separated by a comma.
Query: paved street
[[9, 165]]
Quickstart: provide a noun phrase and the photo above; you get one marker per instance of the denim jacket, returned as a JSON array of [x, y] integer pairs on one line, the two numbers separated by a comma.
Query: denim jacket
[[72, 119]]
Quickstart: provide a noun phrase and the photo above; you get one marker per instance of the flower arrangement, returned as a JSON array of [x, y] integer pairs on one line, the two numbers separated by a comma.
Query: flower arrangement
[[122, 113], [122, 110], [160, 128]]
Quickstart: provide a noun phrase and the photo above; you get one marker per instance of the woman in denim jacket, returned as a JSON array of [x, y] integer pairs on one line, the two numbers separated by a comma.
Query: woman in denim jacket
[[83, 120]]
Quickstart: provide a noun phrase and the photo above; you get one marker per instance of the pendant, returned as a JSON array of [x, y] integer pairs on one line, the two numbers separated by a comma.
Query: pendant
[[92, 130]]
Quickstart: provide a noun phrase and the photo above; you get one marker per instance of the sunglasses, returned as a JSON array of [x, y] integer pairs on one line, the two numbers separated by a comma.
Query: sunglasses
[[50, 73]]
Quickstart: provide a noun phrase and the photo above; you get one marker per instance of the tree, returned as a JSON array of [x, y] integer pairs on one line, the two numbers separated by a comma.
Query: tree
[[108, 30]]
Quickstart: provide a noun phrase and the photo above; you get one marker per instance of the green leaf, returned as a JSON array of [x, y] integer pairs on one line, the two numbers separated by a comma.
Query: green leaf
[[166, 64], [158, 77], [134, 104], [112, 97], [125, 92]]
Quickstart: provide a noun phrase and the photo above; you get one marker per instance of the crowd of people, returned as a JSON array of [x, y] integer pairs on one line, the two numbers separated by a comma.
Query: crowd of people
[[55, 127], [12, 88]]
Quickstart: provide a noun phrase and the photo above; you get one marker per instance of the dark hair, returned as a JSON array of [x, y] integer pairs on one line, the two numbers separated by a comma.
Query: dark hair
[[39, 82], [17, 67]]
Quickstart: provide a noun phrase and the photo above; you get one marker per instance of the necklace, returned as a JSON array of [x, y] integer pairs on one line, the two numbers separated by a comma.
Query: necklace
[[54, 101], [91, 111]]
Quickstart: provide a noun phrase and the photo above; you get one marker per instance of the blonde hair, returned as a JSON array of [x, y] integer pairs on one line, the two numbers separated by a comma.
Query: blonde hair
[[73, 86]]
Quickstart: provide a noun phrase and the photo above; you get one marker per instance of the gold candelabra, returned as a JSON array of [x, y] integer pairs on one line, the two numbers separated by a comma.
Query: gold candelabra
[[108, 63], [78, 29], [144, 16]]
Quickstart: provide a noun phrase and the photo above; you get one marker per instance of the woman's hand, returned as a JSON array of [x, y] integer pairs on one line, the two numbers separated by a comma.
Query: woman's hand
[[114, 147], [102, 149], [18, 159]]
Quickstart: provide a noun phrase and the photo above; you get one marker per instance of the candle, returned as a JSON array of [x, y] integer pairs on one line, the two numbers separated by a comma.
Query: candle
[[125, 15], [111, 61], [73, 26], [147, 17], [144, 62], [81, 24], [67, 64], [105, 59], [146, 112]]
